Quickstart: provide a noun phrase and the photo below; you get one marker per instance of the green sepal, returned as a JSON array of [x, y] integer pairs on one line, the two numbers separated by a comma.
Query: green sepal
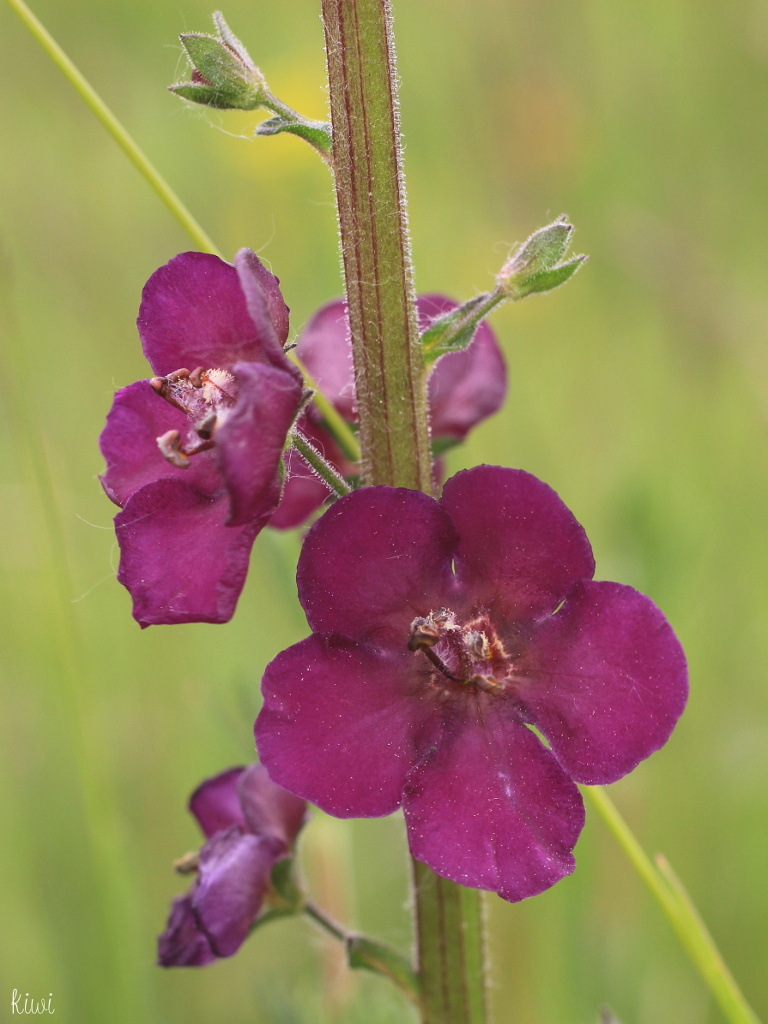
[[550, 279], [544, 247], [213, 59], [454, 331], [229, 38], [208, 96], [369, 955], [316, 133]]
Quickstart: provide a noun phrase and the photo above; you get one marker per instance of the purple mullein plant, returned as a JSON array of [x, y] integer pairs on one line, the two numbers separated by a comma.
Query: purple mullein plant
[[250, 824], [194, 454], [448, 638]]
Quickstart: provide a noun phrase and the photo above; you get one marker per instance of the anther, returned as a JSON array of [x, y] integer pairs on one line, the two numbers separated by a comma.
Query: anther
[[171, 450], [204, 429], [422, 634], [487, 683]]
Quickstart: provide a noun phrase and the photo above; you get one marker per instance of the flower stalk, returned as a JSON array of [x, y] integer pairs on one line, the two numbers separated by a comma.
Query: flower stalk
[[390, 380], [320, 465]]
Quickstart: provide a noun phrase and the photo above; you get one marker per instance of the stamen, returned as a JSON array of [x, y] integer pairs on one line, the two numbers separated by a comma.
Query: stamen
[[205, 397], [204, 429], [172, 451], [487, 683], [423, 635], [465, 653], [439, 664], [170, 448]]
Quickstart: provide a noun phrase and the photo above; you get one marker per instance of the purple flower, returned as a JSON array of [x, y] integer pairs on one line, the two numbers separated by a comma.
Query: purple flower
[[463, 389], [250, 824], [194, 455], [448, 637]]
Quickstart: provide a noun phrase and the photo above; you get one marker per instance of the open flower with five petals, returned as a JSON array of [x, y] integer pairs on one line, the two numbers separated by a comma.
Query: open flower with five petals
[[465, 666], [250, 824], [194, 454]]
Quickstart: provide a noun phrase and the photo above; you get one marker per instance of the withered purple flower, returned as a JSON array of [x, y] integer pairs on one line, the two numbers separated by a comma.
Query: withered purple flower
[[464, 388], [250, 824], [448, 637], [194, 454]]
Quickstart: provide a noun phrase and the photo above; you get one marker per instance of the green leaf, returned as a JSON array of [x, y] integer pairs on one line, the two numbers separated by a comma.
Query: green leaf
[[207, 95], [316, 133]]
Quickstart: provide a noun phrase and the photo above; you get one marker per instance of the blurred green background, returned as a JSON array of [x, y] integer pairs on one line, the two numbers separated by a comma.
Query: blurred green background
[[639, 391]]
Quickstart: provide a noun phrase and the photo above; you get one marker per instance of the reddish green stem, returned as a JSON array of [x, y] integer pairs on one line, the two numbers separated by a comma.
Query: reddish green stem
[[391, 393], [389, 371]]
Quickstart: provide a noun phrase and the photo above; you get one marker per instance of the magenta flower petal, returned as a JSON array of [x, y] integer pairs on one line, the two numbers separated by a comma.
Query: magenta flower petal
[[341, 725], [491, 808], [594, 671], [250, 441], [368, 573], [178, 559], [194, 313], [265, 304], [233, 876], [128, 441], [467, 387], [325, 348], [270, 810], [216, 802], [182, 944], [520, 547]]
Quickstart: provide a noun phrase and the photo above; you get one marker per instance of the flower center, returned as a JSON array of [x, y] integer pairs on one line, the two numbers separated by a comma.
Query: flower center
[[205, 396], [467, 653]]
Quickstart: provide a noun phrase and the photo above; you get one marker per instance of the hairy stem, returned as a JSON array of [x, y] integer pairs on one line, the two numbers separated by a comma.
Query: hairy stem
[[389, 371], [319, 464], [391, 393]]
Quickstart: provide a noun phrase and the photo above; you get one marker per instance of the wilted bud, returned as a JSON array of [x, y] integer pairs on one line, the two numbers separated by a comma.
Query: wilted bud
[[224, 75]]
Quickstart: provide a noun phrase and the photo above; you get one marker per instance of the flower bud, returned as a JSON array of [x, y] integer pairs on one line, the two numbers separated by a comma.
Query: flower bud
[[224, 75], [536, 266]]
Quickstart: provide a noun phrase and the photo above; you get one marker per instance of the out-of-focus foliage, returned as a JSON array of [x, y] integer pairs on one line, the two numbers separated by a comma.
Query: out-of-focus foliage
[[640, 392]]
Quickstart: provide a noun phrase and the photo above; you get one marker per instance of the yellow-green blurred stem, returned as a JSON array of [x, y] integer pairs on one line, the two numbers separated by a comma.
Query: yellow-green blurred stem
[[676, 904]]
